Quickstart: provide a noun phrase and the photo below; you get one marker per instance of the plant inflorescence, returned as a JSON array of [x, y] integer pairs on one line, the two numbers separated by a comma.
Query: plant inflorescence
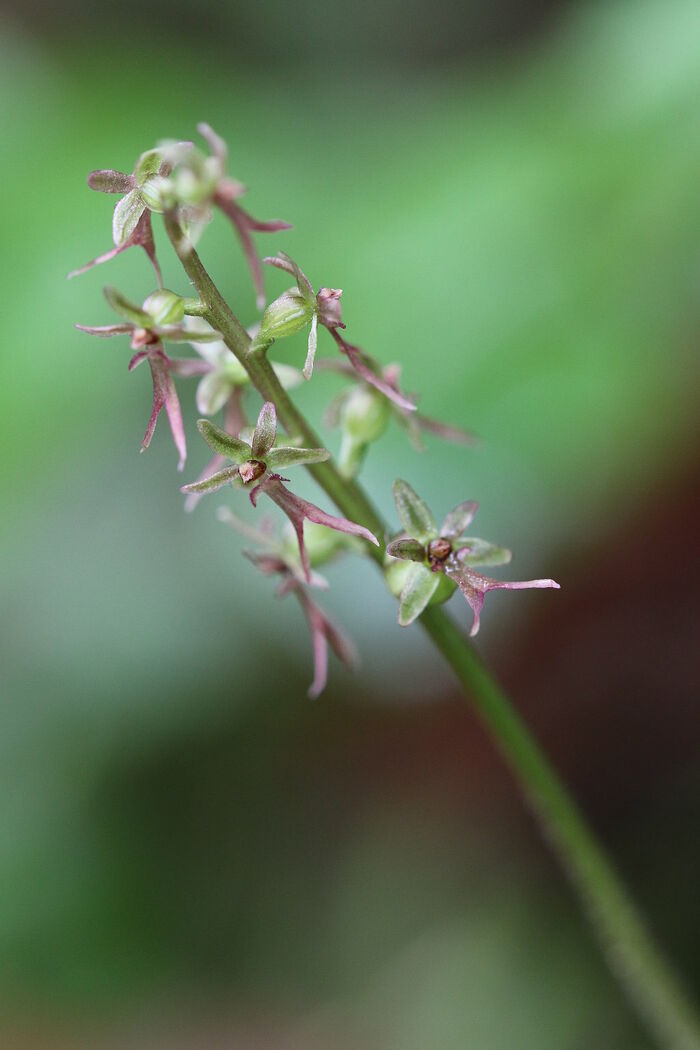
[[422, 565]]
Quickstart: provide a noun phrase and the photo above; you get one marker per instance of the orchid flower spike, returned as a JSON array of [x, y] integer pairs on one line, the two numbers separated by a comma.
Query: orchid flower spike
[[298, 307], [254, 469], [435, 553], [131, 223], [363, 415], [158, 320]]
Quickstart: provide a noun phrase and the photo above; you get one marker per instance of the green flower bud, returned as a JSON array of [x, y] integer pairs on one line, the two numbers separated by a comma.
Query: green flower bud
[[363, 418], [285, 316], [157, 193], [165, 307], [148, 164], [395, 575], [193, 187]]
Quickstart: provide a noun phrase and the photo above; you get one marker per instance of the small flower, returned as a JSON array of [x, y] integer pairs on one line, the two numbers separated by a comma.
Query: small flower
[[435, 553], [158, 320], [254, 468], [200, 182], [363, 415], [253, 459], [300, 306], [131, 224], [274, 559]]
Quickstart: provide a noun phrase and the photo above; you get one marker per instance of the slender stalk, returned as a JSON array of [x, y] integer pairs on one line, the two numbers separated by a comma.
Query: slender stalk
[[650, 982]]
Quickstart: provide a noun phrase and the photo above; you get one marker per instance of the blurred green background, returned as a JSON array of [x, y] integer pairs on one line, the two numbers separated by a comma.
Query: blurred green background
[[192, 853]]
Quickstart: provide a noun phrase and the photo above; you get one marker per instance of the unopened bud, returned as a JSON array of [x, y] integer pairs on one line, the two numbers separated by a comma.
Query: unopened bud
[[165, 307], [286, 315], [365, 414], [157, 193]]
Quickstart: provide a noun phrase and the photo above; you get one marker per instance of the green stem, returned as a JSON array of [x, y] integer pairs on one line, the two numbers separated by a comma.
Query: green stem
[[640, 967]]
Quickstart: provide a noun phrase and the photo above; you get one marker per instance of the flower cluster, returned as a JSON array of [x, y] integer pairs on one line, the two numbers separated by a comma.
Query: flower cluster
[[425, 564], [439, 557]]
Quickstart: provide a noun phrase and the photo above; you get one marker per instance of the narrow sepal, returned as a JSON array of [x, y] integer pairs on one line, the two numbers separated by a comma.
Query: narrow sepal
[[127, 214], [286, 456], [407, 549], [457, 435], [414, 514], [213, 482], [283, 262], [311, 348], [265, 431], [149, 163], [212, 392], [142, 237], [106, 180], [360, 363], [323, 633], [215, 143], [106, 330], [476, 552], [126, 309], [419, 586], [165, 396], [243, 224], [458, 519], [222, 443]]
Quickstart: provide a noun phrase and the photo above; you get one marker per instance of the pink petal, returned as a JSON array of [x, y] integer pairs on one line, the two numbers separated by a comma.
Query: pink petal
[[177, 429], [136, 360], [244, 223], [142, 237], [474, 587], [358, 359], [323, 631], [106, 330], [446, 432], [111, 254], [165, 396]]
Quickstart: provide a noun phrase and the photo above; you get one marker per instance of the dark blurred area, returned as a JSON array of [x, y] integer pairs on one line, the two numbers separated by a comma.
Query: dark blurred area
[[191, 852]]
